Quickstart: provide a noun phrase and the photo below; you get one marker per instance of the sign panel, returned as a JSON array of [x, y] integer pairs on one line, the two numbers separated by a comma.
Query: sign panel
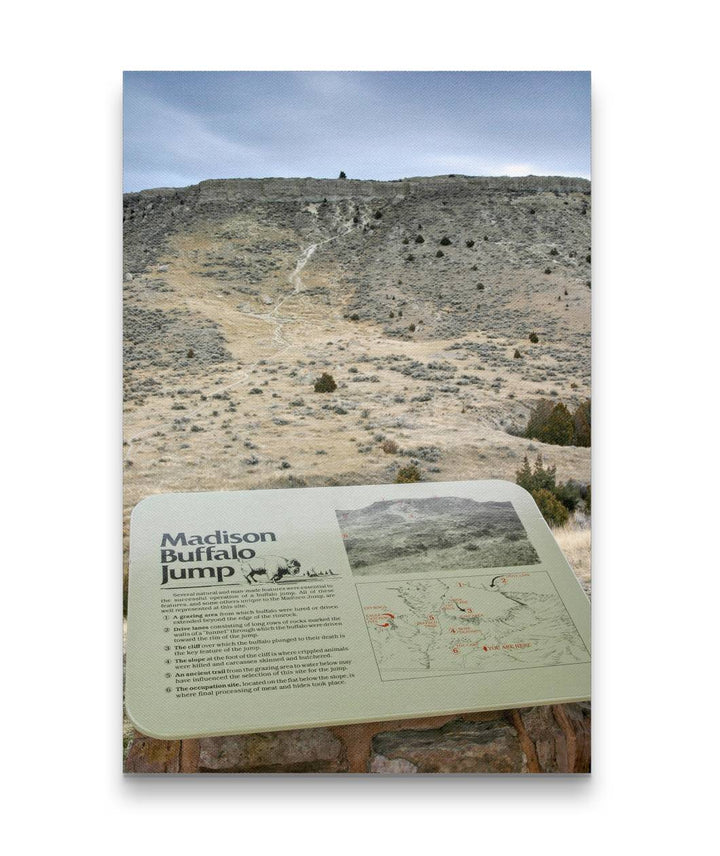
[[277, 609]]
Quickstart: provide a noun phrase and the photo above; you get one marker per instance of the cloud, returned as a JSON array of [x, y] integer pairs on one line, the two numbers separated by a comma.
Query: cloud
[[177, 141]]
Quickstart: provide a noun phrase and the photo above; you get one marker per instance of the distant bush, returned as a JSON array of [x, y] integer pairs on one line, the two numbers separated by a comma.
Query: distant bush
[[325, 383], [419, 239], [390, 447], [409, 257], [445, 242], [469, 244], [408, 475], [581, 419], [553, 423], [342, 174], [439, 254], [534, 338], [411, 328], [553, 252], [480, 286], [406, 240], [548, 270], [378, 215], [550, 423], [517, 355]]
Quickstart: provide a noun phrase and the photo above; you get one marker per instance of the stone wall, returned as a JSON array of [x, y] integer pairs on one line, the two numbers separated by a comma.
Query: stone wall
[[551, 739]]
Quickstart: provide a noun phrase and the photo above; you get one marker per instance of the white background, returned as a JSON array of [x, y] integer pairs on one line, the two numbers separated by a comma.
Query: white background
[[655, 202]]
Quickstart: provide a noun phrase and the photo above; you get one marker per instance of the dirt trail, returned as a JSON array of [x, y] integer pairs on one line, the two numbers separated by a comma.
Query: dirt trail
[[295, 280], [245, 320]]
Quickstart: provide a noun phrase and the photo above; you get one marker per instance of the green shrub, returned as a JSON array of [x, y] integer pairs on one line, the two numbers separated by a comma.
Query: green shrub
[[537, 479], [552, 509], [571, 494], [534, 338], [555, 501], [419, 239], [445, 242], [469, 244], [378, 215], [408, 475], [548, 270], [439, 254], [325, 383], [342, 174]]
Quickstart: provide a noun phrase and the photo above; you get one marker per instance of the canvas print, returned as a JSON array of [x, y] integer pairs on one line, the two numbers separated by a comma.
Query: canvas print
[[372, 278]]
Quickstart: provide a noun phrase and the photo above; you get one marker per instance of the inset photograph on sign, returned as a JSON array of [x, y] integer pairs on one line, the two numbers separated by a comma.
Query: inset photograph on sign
[[442, 533]]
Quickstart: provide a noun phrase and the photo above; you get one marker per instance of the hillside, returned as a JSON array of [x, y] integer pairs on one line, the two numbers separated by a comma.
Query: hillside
[[415, 295]]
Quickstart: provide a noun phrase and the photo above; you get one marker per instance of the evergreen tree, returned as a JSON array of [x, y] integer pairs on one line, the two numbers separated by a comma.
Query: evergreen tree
[[581, 419]]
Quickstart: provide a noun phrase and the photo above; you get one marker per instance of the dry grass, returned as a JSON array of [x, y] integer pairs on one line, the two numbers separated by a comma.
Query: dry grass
[[574, 539]]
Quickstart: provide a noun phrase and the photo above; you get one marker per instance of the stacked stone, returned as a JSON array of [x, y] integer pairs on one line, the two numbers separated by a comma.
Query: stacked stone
[[551, 739]]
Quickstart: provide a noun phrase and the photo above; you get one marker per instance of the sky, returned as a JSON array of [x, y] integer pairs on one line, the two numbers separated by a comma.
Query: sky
[[181, 127]]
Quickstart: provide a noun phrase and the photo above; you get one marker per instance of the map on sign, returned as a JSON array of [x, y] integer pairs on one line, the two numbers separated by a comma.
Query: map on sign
[[428, 627]]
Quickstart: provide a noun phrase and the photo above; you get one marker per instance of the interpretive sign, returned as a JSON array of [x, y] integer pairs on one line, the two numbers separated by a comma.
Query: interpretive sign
[[276, 609]]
